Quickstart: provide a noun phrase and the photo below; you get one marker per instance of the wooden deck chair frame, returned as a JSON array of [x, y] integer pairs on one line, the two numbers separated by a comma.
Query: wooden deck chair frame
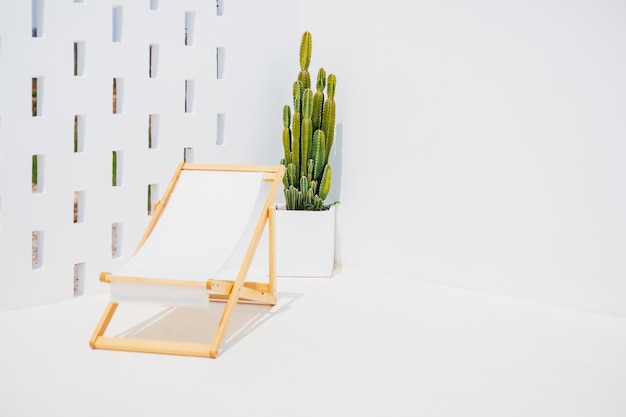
[[229, 291]]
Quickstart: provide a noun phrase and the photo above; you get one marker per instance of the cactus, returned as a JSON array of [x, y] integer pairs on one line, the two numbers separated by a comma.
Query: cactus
[[308, 134]]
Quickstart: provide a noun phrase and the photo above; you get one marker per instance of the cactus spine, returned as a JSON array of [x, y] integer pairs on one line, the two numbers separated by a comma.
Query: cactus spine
[[308, 135]]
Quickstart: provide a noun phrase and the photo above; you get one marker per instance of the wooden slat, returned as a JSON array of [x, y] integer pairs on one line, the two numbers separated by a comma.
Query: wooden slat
[[211, 284], [160, 207], [245, 292], [105, 276], [158, 281], [103, 324], [231, 168], [270, 171], [271, 225], [154, 346], [225, 285], [258, 286]]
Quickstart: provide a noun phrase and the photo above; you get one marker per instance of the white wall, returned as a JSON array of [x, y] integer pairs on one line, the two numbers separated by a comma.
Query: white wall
[[253, 35], [478, 143], [482, 143]]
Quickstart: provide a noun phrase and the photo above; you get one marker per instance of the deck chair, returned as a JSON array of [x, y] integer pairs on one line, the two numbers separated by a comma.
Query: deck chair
[[195, 228]]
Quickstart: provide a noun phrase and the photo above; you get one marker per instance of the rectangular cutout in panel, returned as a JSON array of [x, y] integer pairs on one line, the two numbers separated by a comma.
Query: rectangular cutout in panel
[[79, 59], [118, 95], [37, 18], [219, 7], [188, 155], [37, 173], [220, 58], [79, 133], [221, 124], [79, 207], [37, 96], [116, 240], [189, 87], [153, 131], [190, 19], [79, 279], [153, 65], [154, 4], [116, 168], [114, 95], [118, 14], [37, 249], [153, 196]]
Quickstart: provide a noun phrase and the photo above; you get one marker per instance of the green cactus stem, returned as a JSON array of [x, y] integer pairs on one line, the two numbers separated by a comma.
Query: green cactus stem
[[285, 180], [298, 90], [319, 154], [318, 99], [332, 85], [291, 197], [318, 203], [287, 133], [307, 103], [306, 45], [296, 126], [328, 118], [310, 164], [304, 185], [295, 140], [325, 183], [306, 138], [291, 174]]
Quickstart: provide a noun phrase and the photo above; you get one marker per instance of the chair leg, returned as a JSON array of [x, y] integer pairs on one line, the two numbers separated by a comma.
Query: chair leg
[[223, 324], [103, 324], [271, 225]]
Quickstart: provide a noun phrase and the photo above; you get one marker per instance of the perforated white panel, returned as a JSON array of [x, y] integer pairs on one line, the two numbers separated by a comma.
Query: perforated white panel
[[162, 56]]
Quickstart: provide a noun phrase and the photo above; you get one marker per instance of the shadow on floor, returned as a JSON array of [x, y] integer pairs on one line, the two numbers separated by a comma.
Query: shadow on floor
[[199, 324]]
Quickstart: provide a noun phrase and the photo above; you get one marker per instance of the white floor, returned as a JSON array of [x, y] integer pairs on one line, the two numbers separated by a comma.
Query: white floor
[[357, 344]]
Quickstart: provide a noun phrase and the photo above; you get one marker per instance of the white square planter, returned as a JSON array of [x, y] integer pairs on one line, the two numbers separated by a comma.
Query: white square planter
[[305, 242]]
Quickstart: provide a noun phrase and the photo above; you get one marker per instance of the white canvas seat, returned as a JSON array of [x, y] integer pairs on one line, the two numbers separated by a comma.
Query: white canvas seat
[[205, 214]]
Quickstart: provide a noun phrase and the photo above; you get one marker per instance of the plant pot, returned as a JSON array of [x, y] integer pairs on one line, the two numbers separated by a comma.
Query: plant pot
[[305, 243]]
